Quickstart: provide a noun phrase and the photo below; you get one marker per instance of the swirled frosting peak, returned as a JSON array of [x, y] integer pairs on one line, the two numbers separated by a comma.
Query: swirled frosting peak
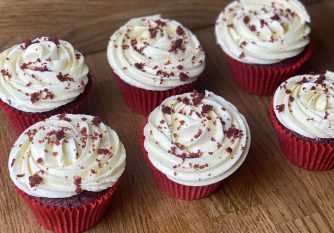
[[41, 75], [196, 139], [305, 105], [155, 54], [65, 155], [263, 31]]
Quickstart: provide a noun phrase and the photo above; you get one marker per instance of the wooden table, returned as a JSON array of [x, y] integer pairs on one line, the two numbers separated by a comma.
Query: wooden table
[[267, 194]]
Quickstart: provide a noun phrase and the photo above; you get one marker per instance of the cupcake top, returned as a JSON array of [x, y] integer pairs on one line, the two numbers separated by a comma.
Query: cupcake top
[[65, 155], [305, 105], [263, 31], [196, 139], [41, 75], [155, 54]]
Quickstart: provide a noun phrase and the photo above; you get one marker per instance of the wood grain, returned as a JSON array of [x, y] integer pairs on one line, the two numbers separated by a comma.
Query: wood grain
[[267, 194]]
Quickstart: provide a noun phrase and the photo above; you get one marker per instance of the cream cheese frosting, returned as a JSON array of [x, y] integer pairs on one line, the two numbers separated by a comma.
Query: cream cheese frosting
[[41, 75], [66, 154], [263, 31], [305, 105], [196, 139], [155, 54]]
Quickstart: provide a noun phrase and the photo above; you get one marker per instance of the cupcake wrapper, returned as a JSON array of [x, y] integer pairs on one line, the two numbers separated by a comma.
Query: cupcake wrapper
[[143, 101], [172, 188], [304, 154], [264, 79], [70, 220], [22, 120]]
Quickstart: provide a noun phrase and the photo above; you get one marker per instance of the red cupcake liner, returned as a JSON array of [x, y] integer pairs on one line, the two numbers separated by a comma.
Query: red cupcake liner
[[70, 220], [143, 101], [303, 153], [22, 120], [264, 79], [172, 188]]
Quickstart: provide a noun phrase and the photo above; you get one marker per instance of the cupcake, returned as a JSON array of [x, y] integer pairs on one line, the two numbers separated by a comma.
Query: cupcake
[[302, 113], [41, 78], [152, 59], [194, 141], [66, 168], [265, 42]]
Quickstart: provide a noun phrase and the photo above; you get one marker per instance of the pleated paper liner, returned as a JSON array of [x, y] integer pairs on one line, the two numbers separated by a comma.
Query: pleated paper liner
[[172, 188], [70, 220], [143, 101], [264, 79], [303, 153], [21, 120]]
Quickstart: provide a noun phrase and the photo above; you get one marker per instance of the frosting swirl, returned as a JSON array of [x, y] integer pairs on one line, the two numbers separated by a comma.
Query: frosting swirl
[[263, 31], [41, 75], [196, 139], [155, 54], [66, 154], [305, 105]]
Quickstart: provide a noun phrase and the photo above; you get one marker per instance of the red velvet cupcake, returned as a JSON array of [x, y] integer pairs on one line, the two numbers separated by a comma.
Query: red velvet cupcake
[[265, 42], [303, 116], [192, 142], [41, 78], [153, 58], [67, 168]]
